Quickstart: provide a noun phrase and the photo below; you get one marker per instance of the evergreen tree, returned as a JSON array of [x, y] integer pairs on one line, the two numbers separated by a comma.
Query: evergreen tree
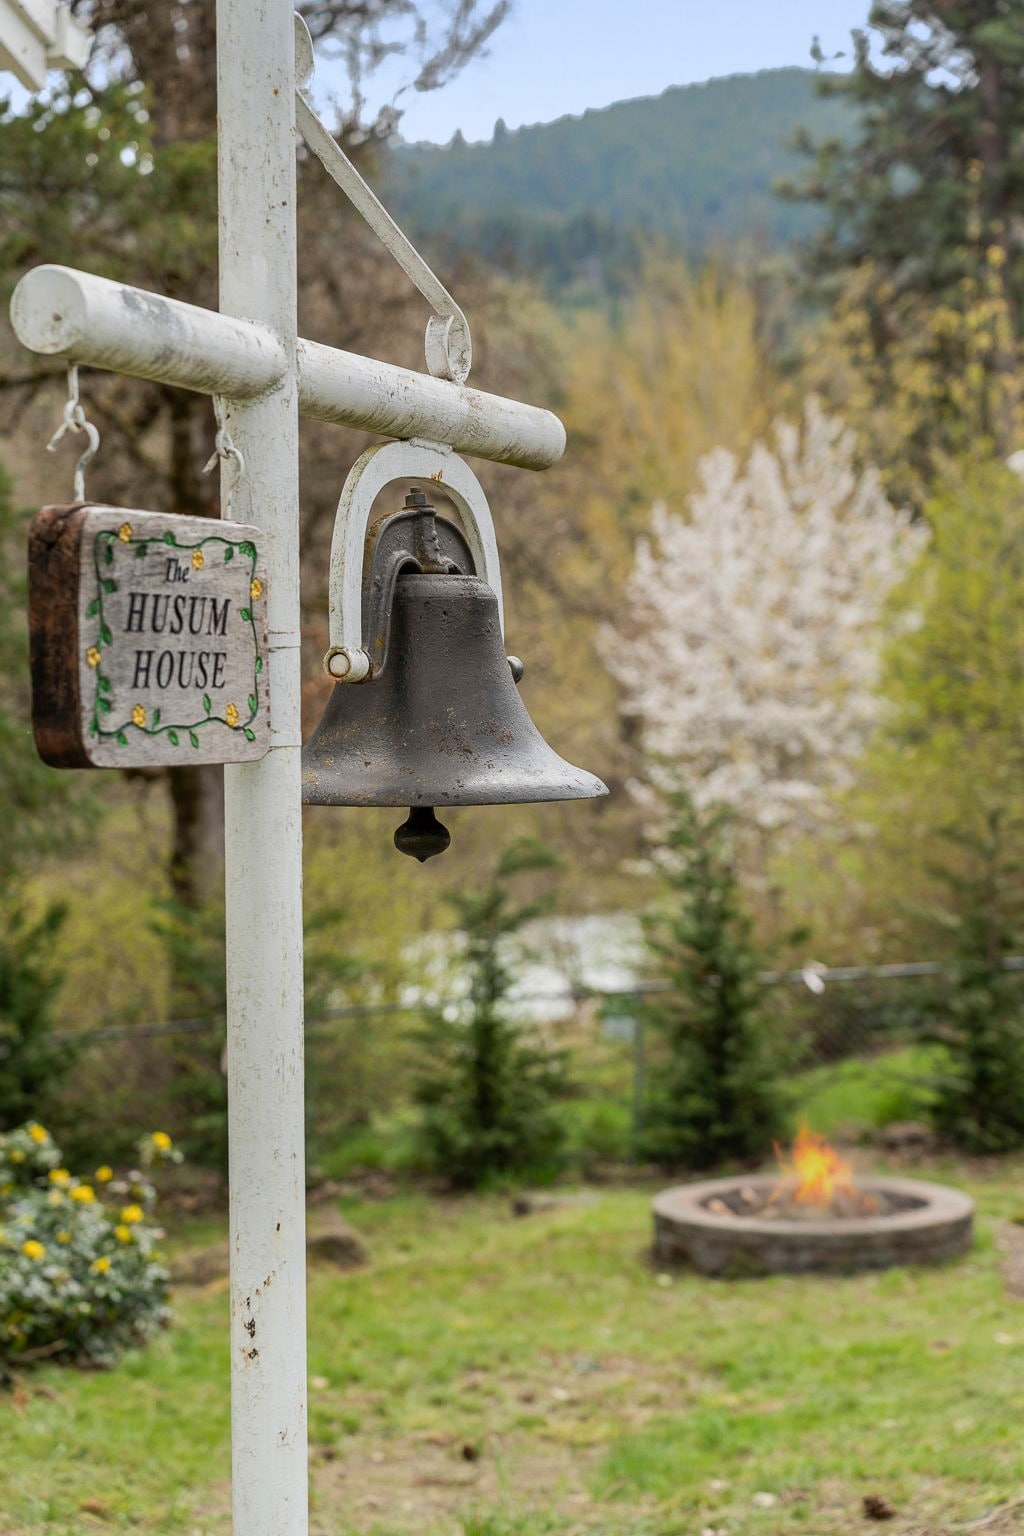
[[486, 1091], [980, 1015], [714, 1098], [922, 225]]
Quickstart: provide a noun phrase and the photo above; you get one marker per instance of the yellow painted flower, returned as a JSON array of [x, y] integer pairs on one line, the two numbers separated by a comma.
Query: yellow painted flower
[[198, 559], [138, 715], [123, 1233], [93, 656], [38, 1134], [101, 1265], [84, 1194], [59, 1176], [255, 588], [33, 1250], [124, 533], [231, 715], [162, 1141], [132, 1214], [64, 1237], [103, 1175]]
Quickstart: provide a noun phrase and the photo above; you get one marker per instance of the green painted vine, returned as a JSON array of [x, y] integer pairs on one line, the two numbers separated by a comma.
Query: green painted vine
[[105, 546]]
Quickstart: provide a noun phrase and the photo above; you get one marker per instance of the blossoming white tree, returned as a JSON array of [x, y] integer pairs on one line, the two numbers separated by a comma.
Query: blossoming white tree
[[750, 649]]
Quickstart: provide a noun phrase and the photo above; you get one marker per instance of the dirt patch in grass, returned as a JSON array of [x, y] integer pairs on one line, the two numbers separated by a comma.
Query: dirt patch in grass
[[405, 1484]]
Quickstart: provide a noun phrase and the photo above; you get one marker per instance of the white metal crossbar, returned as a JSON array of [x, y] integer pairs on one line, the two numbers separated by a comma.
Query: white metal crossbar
[[90, 320]]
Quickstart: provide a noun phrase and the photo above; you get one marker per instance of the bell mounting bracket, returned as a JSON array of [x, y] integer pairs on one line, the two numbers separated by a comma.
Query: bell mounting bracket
[[357, 633], [448, 344]]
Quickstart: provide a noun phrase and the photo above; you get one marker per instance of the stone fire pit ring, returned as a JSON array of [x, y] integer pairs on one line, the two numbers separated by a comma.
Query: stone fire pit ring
[[925, 1223]]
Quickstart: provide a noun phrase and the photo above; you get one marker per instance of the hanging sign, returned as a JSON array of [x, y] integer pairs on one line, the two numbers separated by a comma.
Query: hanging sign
[[148, 639]]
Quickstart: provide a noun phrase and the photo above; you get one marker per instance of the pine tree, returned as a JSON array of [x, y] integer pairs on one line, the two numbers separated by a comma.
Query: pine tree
[[487, 1091], [922, 223], [715, 1097]]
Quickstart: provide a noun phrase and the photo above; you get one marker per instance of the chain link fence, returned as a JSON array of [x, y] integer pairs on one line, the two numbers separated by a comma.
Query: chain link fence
[[362, 1057]]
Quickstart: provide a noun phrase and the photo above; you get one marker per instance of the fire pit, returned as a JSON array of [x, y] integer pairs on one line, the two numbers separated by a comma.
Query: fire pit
[[814, 1216]]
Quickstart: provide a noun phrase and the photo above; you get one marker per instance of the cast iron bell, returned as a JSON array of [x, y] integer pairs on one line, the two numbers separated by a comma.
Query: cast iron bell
[[438, 721]]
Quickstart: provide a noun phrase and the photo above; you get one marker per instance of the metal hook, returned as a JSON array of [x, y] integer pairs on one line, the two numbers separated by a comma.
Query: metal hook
[[75, 420], [226, 453]]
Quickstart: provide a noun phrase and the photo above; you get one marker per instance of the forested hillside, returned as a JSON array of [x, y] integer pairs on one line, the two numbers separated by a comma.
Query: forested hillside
[[696, 165]]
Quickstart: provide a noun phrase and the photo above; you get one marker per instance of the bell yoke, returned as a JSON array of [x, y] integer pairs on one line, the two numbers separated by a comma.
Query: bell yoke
[[426, 710]]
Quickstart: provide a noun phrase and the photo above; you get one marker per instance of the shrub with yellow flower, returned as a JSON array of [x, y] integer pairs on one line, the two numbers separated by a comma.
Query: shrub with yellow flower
[[78, 1280], [158, 1148]]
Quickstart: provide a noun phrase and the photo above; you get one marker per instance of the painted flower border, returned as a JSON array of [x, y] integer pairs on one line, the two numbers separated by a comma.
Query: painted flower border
[[103, 549]]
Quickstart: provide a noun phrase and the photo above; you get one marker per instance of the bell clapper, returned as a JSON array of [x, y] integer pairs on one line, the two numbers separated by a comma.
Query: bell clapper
[[421, 835]]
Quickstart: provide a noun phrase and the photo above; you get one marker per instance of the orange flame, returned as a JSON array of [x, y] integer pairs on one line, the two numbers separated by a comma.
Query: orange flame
[[820, 1171]]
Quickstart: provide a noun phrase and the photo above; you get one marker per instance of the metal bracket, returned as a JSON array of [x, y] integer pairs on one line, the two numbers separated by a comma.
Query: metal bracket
[[434, 466], [448, 344]]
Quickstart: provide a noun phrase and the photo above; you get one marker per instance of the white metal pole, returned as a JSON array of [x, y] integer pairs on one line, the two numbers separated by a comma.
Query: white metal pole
[[256, 156]]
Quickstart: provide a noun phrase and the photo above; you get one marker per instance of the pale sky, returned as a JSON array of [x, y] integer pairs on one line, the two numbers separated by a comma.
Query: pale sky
[[554, 57]]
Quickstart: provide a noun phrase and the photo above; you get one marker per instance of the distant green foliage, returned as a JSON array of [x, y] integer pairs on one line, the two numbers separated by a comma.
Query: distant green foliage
[[979, 1090], [42, 806], [696, 165], [486, 1092], [32, 1065], [194, 1101], [950, 746], [81, 179], [865, 1092], [714, 1096]]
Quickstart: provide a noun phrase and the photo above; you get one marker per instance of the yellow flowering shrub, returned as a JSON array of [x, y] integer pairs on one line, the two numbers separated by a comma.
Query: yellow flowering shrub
[[80, 1276]]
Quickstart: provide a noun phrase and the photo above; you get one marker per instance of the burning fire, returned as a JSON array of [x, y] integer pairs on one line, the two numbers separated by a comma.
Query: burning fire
[[820, 1171]]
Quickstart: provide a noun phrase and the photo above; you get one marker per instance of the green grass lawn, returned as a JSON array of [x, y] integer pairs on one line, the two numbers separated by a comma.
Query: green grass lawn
[[489, 1376]]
